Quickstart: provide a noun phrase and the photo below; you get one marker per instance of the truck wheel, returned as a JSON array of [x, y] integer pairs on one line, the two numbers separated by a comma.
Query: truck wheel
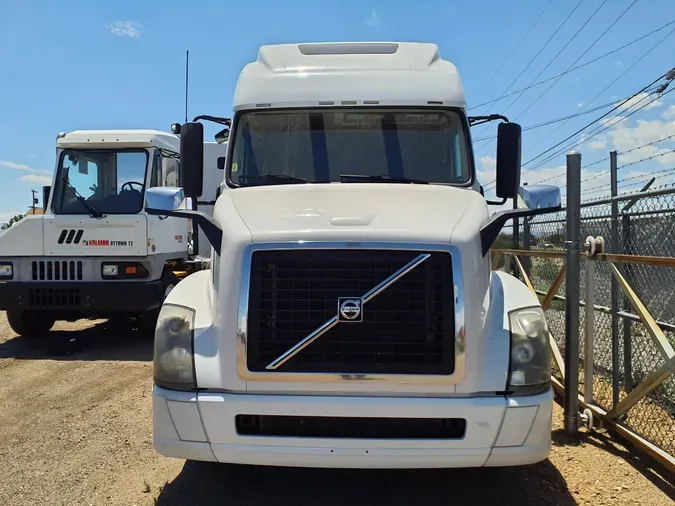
[[30, 323], [149, 318]]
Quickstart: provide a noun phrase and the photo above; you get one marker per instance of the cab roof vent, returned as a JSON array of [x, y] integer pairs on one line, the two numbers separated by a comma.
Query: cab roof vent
[[349, 48]]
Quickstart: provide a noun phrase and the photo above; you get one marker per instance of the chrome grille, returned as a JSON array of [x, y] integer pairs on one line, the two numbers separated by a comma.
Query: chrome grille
[[408, 328]]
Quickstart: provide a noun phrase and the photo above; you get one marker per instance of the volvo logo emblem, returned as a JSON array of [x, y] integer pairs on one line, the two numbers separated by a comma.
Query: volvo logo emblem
[[350, 309]]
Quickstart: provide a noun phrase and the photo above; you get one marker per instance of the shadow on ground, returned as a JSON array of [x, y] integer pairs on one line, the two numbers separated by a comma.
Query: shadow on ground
[[105, 341], [206, 484], [641, 462]]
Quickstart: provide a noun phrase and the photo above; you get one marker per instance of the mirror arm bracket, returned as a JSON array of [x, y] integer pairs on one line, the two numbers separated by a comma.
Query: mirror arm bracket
[[496, 202], [490, 231], [215, 119], [479, 120], [209, 225]]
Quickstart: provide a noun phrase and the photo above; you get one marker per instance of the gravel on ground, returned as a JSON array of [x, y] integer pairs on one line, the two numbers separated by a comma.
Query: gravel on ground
[[76, 429]]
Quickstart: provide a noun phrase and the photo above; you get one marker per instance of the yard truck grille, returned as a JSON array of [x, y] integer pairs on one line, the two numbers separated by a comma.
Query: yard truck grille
[[374, 311]]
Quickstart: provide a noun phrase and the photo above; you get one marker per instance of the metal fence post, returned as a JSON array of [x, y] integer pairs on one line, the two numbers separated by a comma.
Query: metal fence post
[[572, 291], [613, 169], [516, 238], [527, 239], [590, 327], [627, 323]]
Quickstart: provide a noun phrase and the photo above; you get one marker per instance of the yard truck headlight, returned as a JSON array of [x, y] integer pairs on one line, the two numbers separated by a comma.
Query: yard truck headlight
[[530, 370], [6, 270], [173, 360]]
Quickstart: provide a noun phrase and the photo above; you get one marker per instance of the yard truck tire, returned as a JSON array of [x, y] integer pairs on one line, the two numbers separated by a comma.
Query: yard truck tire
[[30, 323], [149, 318]]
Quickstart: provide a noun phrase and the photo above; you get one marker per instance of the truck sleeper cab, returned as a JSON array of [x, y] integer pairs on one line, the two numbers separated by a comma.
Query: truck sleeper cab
[[351, 318]]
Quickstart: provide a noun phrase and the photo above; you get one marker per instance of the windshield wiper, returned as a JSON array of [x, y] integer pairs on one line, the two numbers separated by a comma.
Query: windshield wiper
[[93, 212], [280, 178], [380, 178]]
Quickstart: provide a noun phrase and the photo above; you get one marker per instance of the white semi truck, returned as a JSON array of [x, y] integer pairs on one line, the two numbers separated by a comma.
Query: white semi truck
[[95, 252], [350, 317]]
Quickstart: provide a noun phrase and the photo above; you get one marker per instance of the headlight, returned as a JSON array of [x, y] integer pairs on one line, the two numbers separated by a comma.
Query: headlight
[[123, 270], [173, 365], [6, 271], [110, 270], [530, 352]]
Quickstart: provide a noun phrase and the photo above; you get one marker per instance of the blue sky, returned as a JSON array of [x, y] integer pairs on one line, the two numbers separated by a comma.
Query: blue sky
[[76, 65]]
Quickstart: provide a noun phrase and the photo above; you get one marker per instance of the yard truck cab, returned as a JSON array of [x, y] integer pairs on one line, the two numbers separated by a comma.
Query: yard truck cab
[[95, 252], [351, 317]]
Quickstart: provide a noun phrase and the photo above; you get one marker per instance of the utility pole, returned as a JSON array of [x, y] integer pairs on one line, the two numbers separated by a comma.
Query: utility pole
[[33, 200]]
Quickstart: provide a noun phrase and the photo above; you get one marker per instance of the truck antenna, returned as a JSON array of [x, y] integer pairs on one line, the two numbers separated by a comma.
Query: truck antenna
[[187, 61]]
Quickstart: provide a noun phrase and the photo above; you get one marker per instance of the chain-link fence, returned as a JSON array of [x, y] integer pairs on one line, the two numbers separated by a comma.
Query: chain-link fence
[[624, 352]]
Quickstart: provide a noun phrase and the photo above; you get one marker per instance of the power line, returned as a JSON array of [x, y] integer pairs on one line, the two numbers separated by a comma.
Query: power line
[[582, 54], [553, 121], [586, 126], [597, 131], [598, 119], [610, 84], [544, 81], [479, 148], [537, 55], [515, 48], [559, 53]]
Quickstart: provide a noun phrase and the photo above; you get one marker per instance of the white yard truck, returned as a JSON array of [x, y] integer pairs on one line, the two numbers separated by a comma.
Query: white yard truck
[[95, 252], [351, 318]]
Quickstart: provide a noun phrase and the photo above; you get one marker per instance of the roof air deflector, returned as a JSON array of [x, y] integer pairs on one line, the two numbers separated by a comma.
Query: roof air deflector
[[348, 48]]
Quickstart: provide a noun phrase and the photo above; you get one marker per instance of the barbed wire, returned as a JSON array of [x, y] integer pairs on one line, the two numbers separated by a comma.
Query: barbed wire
[[663, 173], [620, 153]]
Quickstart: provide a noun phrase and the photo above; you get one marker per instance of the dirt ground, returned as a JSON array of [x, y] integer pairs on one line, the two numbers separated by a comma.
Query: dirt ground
[[76, 430]]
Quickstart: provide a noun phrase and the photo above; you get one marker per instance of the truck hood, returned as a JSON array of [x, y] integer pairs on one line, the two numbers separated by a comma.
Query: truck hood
[[354, 211]]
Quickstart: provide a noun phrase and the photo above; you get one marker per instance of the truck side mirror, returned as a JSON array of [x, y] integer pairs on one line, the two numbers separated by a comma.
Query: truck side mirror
[[539, 196], [46, 190], [192, 158], [164, 198], [508, 160]]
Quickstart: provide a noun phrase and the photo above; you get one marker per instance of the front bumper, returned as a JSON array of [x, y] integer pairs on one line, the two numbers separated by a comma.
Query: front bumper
[[499, 431], [100, 297]]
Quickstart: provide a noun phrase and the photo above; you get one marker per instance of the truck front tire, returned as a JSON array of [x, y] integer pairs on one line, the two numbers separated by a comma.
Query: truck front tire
[[30, 323]]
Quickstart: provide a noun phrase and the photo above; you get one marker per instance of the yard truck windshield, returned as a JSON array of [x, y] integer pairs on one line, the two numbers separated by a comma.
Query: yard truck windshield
[[100, 181], [398, 145]]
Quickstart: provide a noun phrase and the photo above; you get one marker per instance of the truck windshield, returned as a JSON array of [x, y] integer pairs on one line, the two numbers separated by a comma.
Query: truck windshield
[[99, 181], [350, 145]]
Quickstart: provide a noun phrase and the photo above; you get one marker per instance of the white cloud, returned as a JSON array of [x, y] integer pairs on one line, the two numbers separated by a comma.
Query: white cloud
[[669, 114], [641, 100], [130, 29], [577, 80], [34, 178], [580, 103], [597, 144], [20, 166], [31, 156], [374, 19]]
